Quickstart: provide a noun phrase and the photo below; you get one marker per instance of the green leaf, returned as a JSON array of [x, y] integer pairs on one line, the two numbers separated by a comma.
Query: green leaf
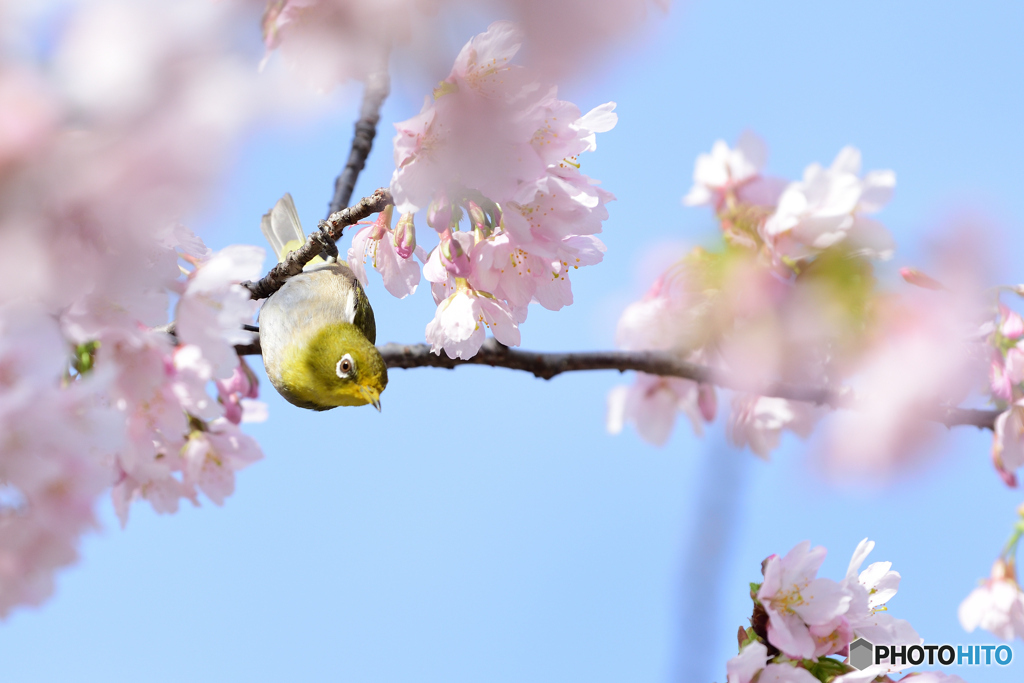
[[825, 669]]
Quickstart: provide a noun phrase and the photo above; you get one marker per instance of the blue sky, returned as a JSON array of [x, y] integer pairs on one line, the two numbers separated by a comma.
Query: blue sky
[[484, 527]]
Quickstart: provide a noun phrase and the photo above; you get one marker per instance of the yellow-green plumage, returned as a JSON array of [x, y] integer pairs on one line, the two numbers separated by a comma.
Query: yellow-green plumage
[[317, 332]]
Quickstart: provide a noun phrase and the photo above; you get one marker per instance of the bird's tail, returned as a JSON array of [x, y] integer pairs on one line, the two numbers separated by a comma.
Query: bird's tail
[[282, 228]]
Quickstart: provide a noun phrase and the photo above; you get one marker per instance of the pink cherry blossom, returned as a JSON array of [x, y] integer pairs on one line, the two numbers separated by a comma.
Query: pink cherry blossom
[[213, 308], [474, 134], [240, 386], [460, 324], [669, 316], [496, 148], [828, 207], [997, 605], [212, 456], [652, 403], [796, 600], [758, 421], [832, 638], [870, 590], [924, 356], [744, 667], [726, 171], [1008, 442], [401, 274]]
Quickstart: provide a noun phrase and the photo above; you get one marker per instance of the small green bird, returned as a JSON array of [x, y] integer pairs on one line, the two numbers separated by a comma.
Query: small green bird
[[317, 332]]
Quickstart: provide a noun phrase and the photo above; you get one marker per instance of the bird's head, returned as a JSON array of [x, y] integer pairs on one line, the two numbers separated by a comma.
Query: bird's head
[[337, 366]]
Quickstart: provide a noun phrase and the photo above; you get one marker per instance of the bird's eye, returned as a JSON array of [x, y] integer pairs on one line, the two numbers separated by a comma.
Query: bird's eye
[[345, 366]]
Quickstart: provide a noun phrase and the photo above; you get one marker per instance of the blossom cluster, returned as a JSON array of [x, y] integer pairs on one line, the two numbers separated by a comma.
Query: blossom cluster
[[802, 622], [791, 297], [997, 604], [327, 42], [493, 160], [108, 138]]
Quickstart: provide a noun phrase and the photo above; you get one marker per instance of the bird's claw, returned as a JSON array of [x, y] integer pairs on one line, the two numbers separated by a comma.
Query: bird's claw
[[328, 249]]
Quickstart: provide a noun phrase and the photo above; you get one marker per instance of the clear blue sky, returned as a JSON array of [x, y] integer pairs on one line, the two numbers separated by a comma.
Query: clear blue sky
[[484, 527]]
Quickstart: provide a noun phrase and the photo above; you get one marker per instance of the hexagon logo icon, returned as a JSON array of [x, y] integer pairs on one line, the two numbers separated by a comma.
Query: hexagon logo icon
[[861, 654]]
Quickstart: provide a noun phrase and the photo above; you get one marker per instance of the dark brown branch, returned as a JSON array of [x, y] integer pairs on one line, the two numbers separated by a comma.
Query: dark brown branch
[[377, 87], [548, 365], [331, 229]]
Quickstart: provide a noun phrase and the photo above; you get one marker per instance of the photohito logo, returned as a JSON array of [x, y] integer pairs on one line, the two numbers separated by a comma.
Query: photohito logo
[[864, 653]]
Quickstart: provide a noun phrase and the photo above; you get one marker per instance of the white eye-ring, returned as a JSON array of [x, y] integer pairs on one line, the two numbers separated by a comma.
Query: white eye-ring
[[345, 366]]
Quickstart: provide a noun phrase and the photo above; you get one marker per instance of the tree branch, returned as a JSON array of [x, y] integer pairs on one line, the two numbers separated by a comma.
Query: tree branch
[[378, 85], [548, 365], [329, 233]]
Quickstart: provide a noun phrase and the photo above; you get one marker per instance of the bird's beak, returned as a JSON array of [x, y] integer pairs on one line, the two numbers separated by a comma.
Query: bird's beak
[[372, 397]]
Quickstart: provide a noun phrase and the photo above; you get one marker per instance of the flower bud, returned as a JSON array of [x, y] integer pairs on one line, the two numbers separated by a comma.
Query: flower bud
[[476, 215], [383, 223], [1012, 326], [439, 214], [1002, 571], [916, 277], [707, 401], [241, 384], [454, 256], [478, 219], [405, 236]]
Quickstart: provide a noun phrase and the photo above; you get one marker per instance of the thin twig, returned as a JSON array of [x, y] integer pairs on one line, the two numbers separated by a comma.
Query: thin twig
[[548, 365], [377, 87], [330, 231]]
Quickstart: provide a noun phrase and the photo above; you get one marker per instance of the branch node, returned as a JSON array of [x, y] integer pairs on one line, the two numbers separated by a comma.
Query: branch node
[[328, 248]]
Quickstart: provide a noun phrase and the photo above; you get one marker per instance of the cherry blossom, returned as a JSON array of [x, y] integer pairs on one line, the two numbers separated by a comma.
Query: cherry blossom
[[796, 600], [391, 258], [1008, 442], [652, 403], [460, 324], [828, 207], [733, 171], [758, 421], [493, 158], [996, 606], [213, 455], [870, 590], [213, 307], [743, 667]]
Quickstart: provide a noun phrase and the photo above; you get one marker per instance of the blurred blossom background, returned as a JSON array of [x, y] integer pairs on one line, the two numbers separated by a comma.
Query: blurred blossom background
[[484, 525]]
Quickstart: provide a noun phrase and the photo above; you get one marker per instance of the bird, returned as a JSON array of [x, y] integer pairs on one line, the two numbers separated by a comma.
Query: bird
[[317, 332]]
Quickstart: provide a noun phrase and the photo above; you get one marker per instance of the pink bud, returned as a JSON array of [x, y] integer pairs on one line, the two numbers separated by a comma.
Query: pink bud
[[916, 277], [453, 255], [1012, 326], [476, 215], [232, 408], [707, 401], [999, 382], [1001, 571], [1008, 476], [439, 214], [405, 236], [382, 225]]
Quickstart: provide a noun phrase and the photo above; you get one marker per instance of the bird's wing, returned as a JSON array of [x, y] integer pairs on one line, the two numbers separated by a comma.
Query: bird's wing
[[363, 317], [282, 228]]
